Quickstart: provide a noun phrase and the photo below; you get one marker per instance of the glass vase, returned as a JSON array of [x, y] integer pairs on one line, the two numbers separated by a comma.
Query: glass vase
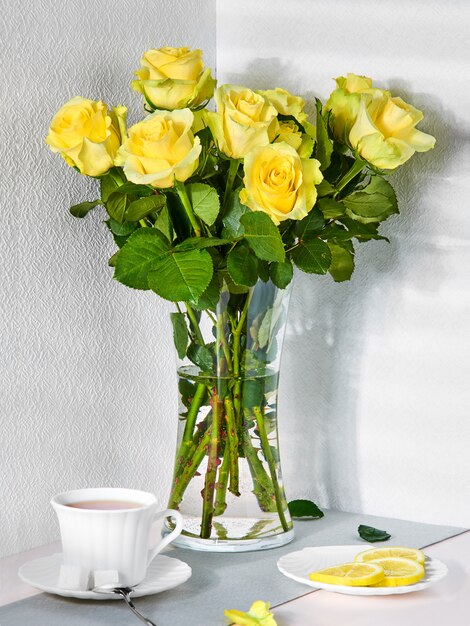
[[227, 479]]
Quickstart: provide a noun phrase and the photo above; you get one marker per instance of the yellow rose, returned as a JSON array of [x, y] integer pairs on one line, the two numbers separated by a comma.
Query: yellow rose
[[244, 120], [258, 615], [380, 127], [174, 78], [285, 103], [87, 135], [280, 183], [290, 133], [160, 148]]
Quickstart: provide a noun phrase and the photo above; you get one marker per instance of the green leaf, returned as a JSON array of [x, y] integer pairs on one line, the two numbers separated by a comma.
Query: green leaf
[[305, 508], [163, 223], [181, 276], [201, 356], [233, 214], [362, 232], [325, 188], [263, 270], [342, 263], [205, 202], [253, 391], [112, 260], [263, 236], [119, 231], [117, 205], [138, 256], [132, 189], [313, 257], [376, 201], [330, 208], [139, 209], [198, 243], [210, 296], [264, 330], [371, 534], [312, 224], [281, 273], [80, 210], [323, 147], [242, 265], [180, 333], [111, 182]]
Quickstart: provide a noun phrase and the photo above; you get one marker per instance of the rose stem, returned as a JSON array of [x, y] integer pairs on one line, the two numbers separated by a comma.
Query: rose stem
[[232, 452], [221, 485], [272, 466], [189, 470], [209, 484], [232, 173], [262, 486], [185, 201]]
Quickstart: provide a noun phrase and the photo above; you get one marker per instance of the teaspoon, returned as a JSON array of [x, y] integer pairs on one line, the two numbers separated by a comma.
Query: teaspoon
[[125, 593]]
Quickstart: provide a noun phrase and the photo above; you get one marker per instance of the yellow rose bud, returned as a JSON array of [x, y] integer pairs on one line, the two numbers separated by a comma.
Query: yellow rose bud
[[258, 615], [161, 148], [174, 78], [290, 133], [87, 135], [244, 120], [280, 183], [381, 128], [285, 103]]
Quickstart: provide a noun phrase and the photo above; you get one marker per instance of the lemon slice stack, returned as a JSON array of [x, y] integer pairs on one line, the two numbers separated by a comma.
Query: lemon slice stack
[[379, 567]]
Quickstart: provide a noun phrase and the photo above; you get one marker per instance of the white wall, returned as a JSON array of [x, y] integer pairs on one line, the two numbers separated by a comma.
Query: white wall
[[375, 398], [87, 386]]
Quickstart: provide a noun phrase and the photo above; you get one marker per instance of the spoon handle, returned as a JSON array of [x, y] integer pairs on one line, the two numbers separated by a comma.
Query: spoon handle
[[130, 604]]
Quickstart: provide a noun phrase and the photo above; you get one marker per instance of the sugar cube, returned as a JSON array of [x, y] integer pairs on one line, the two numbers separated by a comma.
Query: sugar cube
[[106, 577]]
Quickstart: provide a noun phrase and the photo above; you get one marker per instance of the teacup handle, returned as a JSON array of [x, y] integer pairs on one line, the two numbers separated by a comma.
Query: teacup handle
[[168, 538]]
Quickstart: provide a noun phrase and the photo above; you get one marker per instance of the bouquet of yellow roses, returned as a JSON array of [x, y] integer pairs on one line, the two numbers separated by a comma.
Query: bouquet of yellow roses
[[205, 206]]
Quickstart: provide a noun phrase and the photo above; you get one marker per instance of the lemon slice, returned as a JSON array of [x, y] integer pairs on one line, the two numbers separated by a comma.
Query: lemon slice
[[398, 571], [350, 574], [395, 551]]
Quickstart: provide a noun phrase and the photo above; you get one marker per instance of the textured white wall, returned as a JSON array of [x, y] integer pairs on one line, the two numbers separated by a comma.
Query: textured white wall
[[375, 395], [87, 386]]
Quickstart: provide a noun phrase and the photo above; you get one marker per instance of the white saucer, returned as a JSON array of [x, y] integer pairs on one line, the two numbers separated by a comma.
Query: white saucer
[[298, 565], [164, 573]]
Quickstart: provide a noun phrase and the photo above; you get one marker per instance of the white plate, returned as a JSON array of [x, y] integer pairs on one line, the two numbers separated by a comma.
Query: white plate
[[298, 565], [163, 573]]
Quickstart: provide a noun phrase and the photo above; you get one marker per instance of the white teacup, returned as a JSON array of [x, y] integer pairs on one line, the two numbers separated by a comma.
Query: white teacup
[[111, 538]]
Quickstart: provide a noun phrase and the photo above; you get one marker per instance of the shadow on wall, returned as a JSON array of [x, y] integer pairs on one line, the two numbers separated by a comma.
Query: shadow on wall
[[330, 325]]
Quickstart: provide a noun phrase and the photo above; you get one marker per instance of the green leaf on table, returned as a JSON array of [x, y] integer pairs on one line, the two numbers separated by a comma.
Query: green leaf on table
[[371, 534], [330, 208], [312, 224], [232, 216], [181, 276], [139, 209], [180, 333], [117, 205], [163, 223], [205, 202], [201, 356], [138, 256], [323, 145], [242, 265], [313, 256], [281, 273], [342, 263], [263, 237], [82, 209], [305, 508]]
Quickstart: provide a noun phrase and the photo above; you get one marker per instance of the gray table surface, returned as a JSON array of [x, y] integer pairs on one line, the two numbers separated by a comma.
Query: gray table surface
[[221, 581]]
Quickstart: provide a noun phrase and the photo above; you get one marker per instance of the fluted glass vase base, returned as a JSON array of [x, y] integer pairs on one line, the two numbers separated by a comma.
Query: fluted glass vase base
[[232, 545]]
